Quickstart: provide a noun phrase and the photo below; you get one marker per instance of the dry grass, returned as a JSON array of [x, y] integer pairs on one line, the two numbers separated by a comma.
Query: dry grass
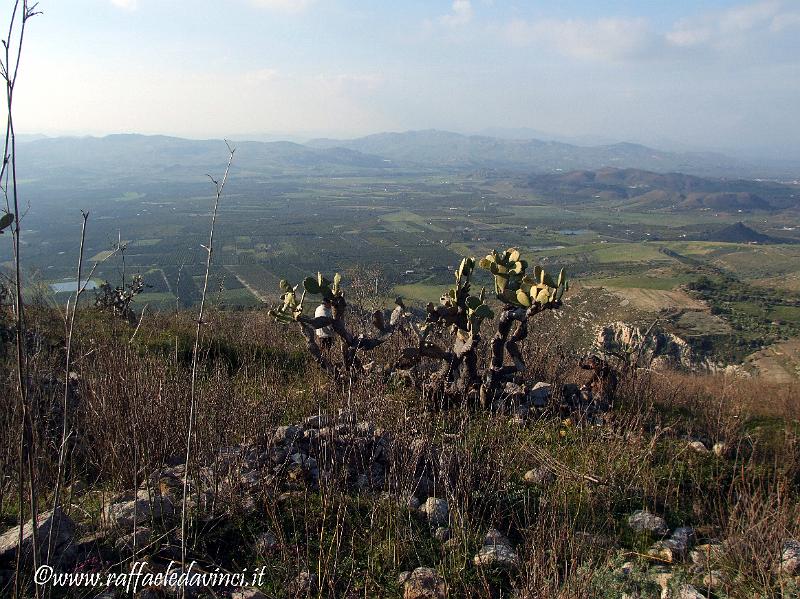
[[131, 410]]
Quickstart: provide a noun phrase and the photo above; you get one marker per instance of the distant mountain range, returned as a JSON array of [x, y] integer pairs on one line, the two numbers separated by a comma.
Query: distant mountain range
[[160, 157], [453, 150]]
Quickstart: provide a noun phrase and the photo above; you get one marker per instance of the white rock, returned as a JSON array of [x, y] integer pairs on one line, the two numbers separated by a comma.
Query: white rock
[[63, 530], [286, 434], [425, 583], [540, 394], [496, 555], [676, 547], [539, 476], [686, 591], [698, 447], [496, 551], [437, 511], [147, 505], [644, 521]]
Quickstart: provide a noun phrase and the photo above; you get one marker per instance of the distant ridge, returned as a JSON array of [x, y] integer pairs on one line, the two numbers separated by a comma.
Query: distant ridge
[[447, 149], [150, 155], [161, 156], [646, 190]]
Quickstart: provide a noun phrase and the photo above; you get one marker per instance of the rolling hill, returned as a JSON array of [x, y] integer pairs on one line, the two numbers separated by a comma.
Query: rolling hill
[[646, 190], [447, 149]]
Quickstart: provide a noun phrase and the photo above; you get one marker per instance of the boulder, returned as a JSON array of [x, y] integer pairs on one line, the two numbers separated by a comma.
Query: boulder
[[539, 476], [502, 556], [698, 446], [644, 521], [424, 583], [63, 529], [540, 394], [142, 508], [685, 591], [286, 434], [675, 548], [436, 511], [496, 551]]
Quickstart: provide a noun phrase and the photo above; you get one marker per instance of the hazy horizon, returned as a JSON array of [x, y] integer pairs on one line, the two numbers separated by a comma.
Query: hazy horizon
[[713, 75]]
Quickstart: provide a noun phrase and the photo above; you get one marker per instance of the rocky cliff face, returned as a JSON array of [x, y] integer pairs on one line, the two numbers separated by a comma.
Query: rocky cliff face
[[655, 349], [645, 349]]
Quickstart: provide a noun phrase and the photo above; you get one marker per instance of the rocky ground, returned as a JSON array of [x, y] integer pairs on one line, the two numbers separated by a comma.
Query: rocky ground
[[144, 524]]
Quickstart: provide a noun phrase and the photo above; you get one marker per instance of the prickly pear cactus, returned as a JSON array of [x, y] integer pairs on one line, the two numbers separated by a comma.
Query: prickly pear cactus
[[514, 286], [459, 307], [290, 309], [319, 285]]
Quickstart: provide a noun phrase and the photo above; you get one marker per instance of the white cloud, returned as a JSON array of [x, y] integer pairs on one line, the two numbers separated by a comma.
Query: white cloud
[[728, 27], [285, 6], [461, 14], [125, 4], [601, 39], [623, 38]]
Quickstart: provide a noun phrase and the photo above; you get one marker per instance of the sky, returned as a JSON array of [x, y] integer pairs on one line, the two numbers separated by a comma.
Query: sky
[[706, 74]]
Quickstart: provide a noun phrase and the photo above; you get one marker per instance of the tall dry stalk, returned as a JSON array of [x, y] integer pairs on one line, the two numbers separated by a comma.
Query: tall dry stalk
[[220, 185], [9, 68], [69, 326]]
